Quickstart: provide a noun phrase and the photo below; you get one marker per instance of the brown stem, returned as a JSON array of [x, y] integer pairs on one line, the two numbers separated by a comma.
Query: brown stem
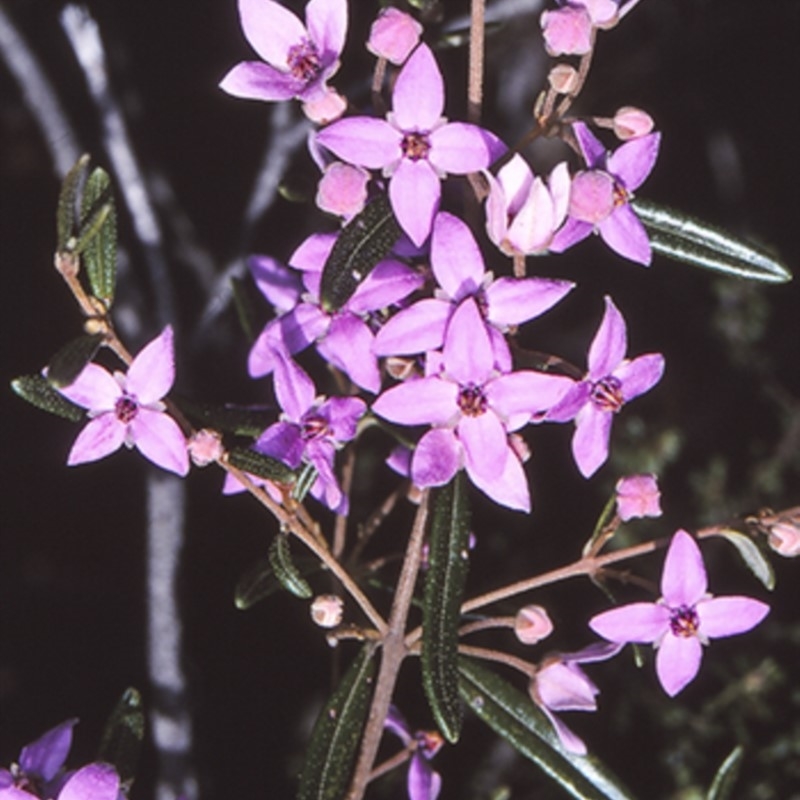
[[525, 667], [477, 30]]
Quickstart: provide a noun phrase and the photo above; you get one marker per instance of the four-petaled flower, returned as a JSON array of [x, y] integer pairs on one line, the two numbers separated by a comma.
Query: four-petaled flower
[[423, 782], [683, 619], [299, 58], [611, 381], [414, 146], [600, 195], [128, 409]]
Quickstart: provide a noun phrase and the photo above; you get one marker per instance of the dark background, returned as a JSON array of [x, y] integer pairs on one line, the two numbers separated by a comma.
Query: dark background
[[722, 428]]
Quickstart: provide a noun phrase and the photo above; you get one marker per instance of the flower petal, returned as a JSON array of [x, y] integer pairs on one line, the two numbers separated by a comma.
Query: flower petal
[[159, 438], [594, 153], [281, 286], [677, 662], [468, 354], [637, 622], [363, 141], [45, 757], [415, 329], [623, 232], [437, 458], [591, 438], [271, 29], [423, 782], [526, 391], [459, 147], [327, 27], [633, 161], [418, 97], [102, 436], [424, 401], [683, 581], [293, 388], [95, 388], [152, 373], [566, 687], [727, 616], [640, 375], [455, 257], [509, 487], [254, 80], [313, 252], [570, 233], [97, 781], [342, 415], [348, 346], [284, 441], [388, 283], [485, 444], [568, 739], [512, 301], [414, 192], [609, 344]]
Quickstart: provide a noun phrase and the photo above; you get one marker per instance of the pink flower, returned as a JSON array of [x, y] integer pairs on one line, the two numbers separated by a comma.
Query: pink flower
[[423, 782], [684, 619], [567, 31], [532, 624], [342, 190], [393, 35], [414, 146], [299, 58], [128, 409], [638, 496]]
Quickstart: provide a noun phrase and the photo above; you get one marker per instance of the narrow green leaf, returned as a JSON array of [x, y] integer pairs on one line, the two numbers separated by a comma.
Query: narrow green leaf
[[444, 591], [363, 242], [248, 460], [305, 480], [244, 309], [606, 515], [97, 238], [515, 717], [260, 581], [38, 392], [238, 420], [280, 558], [70, 360], [123, 735], [65, 214], [724, 780], [753, 557], [337, 733], [684, 238]]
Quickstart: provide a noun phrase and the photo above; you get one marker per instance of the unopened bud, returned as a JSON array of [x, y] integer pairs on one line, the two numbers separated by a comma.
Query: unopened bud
[[205, 447], [563, 79], [532, 624], [784, 539], [393, 35], [342, 190], [326, 610], [638, 496], [631, 123]]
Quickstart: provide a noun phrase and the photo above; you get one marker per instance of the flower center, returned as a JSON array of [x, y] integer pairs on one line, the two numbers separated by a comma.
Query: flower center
[[303, 61], [607, 394], [415, 146], [684, 622], [126, 408], [429, 742], [472, 401], [314, 428]]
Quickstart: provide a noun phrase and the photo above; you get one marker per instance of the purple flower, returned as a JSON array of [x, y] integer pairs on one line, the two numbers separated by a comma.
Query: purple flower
[[638, 496], [561, 685], [423, 782], [683, 619], [393, 35], [299, 58], [343, 337], [414, 146], [611, 381], [128, 409], [311, 429], [599, 198], [472, 408], [459, 269]]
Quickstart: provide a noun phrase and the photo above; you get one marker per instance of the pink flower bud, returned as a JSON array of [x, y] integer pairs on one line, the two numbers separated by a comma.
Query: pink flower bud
[[631, 123], [342, 190], [784, 539], [532, 624], [567, 31], [393, 35], [638, 496], [326, 610], [205, 447], [563, 78]]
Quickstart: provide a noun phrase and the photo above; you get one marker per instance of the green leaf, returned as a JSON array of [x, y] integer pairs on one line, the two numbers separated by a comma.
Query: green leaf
[[248, 460], [260, 581], [123, 735], [38, 392], [70, 360], [65, 215], [280, 558], [337, 733], [606, 515], [684, 238], [305, 480], [97, 238], [238, 420], [363, 242], [515, 717], [726, 776], [753, 557], [444, 590]]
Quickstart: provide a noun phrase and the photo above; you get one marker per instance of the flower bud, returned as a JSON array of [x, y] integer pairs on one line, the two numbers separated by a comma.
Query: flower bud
[[532, 624], [393, 35], [326, 610], [342, 190], [631, 123], [567, 31], [563, 78], [638, 496], [205, 447], [784, 539]]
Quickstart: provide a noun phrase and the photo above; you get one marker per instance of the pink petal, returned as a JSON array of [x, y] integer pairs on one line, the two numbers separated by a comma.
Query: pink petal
[[526, 391], [727, 616], [418, 97], [455, 257], [284, 441], [591, 438], [415, 329], [388, 283], [683, 581], [436, 459], [421, 402], [594, 152], [485, 444], [532, 229], [414, 192], [636, 622], [458, 148], [509, 487], [634, 161], [568, 739], [101, 436], [159, 439], [571, 404], [45, 756], [96, 781], [152, 373], [271, 29], [95, 388], [565, 687], [363, 141], [609, 344], [348, 346], [468, 354], [323, 105], [677, 662], [294, 389], [313, 252], [514, 181], [423, 783], [281, 286], [327, 26], [572, 232], [342, 414], [640, 375], [512, 301], [624, 233], [254, 80]]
